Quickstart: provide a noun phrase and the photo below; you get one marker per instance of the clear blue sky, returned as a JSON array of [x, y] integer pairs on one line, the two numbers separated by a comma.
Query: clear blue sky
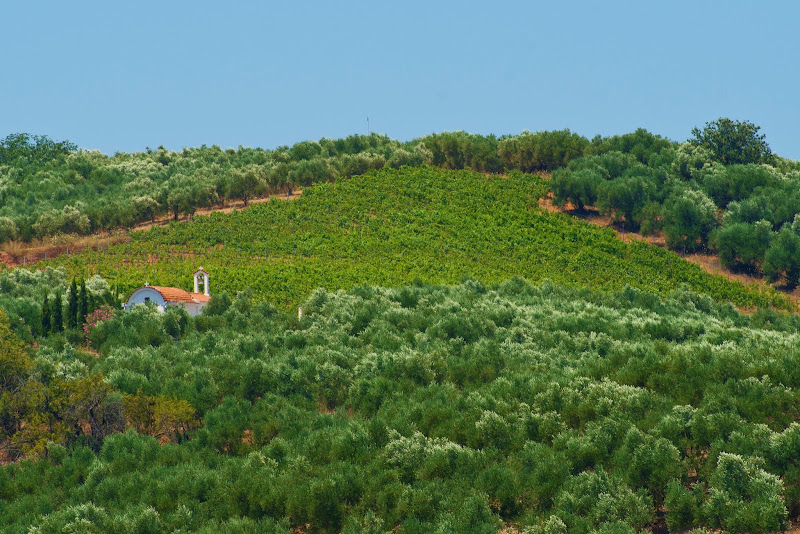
[[123, 76]]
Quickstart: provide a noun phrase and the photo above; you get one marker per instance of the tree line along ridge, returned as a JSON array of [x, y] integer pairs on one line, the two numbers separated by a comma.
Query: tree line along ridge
[[722, 190]]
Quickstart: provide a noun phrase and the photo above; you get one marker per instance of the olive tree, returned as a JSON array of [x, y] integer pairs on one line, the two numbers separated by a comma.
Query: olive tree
[[8, 229], [742, 245], [782, 259], [246, 183], [732, 142], [745, 498], [578, 187], [689, 217], [624, 197]]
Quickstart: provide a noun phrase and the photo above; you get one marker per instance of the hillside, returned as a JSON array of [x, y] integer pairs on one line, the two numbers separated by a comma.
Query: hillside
[[474, 363], [721, 191], [392, 227], [49, 188], [416, 409]]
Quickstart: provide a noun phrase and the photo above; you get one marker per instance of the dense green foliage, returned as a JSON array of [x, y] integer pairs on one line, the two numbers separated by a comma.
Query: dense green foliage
[[723, 191], [49, 188], [488, 405], [688, 220], [424, 408], [526, 152], [392, 227], [733, 142], [30, 299], [21, 150], [645, 182]]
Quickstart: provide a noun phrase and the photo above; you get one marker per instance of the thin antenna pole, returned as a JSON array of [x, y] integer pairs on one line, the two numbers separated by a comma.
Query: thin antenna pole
[[369, 132]]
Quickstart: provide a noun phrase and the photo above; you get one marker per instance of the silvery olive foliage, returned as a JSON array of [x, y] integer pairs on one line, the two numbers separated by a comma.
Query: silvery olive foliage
[[423, 409]]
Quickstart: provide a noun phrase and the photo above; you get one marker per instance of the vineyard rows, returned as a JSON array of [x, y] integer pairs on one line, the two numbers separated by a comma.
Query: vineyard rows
[[394, 227]]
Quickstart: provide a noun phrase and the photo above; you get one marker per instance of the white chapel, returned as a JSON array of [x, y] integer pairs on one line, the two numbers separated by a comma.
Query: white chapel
[[161, 297]]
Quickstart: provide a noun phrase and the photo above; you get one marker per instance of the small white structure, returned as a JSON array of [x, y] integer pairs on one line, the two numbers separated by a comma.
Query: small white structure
[[161, 297], [197, 274]]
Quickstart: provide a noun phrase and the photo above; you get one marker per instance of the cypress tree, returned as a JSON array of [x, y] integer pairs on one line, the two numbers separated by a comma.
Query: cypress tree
[[46, 316], [72, 305], [83, 304], [58, 315]]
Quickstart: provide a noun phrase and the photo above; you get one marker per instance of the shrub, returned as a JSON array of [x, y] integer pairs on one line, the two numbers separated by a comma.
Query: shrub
[[743, 497], [733, 142], [682, 506], [578, 187], [594, 498], [689, 218], [641, 144], [782, 258], [742, 245]]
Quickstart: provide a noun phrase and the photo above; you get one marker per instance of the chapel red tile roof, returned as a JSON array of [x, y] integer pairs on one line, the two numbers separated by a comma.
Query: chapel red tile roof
[[199, 297], [174, 294]]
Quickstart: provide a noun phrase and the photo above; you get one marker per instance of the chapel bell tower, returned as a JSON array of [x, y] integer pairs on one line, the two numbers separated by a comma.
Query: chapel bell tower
[[197, 275]]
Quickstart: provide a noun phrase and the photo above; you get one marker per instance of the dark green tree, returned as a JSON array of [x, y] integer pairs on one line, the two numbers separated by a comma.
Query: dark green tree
[[738, 182], [742, 245], [752, 210], [650, 219], [530, 152], [783, 202], [36, 149], [180, 200], [57, 322], [610, 164], [641, 144], [577, 187], [624, 197], [72, 305], [186, 194], [305, 150], [745, 498], [682, 505], [732, 142], [307, 172], [689, 218], [83, 304], [46, 325], [461, 150], [246, 183], [782, 259]]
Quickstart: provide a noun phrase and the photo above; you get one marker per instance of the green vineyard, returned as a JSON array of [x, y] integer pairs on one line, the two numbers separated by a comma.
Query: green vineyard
[[394, 227]]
